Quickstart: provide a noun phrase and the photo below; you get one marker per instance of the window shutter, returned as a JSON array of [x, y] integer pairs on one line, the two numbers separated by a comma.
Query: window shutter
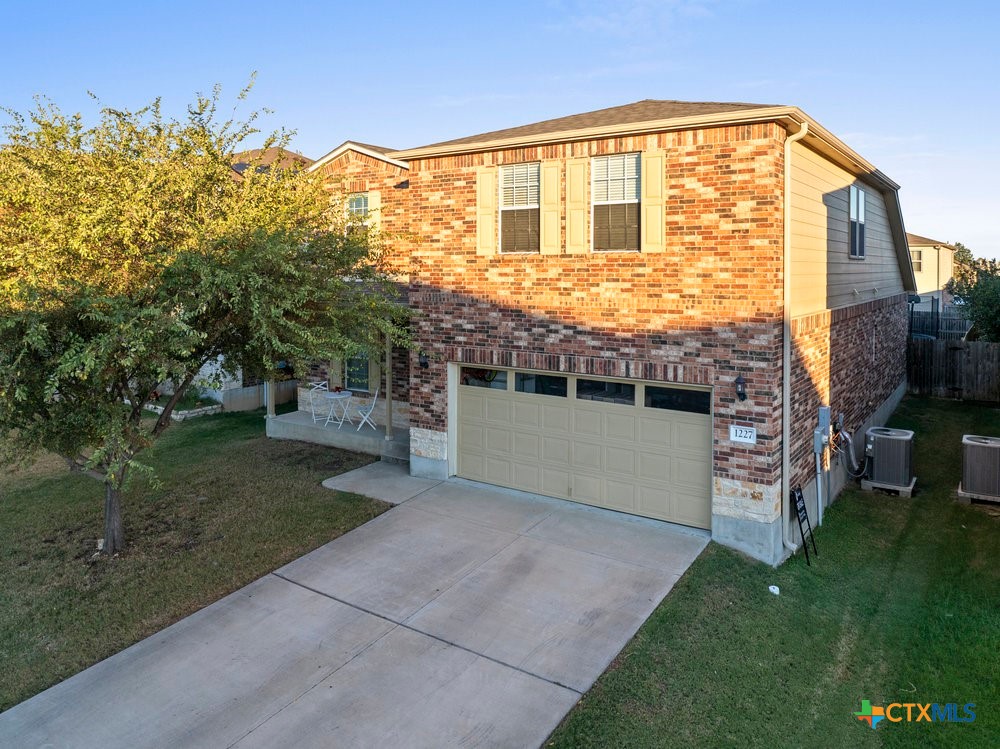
[[551, 210], [375, 209], [486, 210], [653, 195], [576, 206]]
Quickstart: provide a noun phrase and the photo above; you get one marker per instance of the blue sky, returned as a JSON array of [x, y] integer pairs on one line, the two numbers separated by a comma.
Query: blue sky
[[912, 86]]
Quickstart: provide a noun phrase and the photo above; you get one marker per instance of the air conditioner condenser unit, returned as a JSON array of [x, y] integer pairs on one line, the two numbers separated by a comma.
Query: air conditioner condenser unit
[[980, 467], [891, 454]]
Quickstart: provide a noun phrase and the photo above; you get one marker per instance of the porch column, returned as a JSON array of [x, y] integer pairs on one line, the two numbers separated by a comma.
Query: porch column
[[388, 388], [269, 398]]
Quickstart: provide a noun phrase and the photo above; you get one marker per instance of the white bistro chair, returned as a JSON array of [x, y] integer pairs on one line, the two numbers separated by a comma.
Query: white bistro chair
[[365, 413], [318, 406]]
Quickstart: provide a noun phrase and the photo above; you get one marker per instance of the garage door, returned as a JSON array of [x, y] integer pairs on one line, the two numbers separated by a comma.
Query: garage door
[[637, 447]]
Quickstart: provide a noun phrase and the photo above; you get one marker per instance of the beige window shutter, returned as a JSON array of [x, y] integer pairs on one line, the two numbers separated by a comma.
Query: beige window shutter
[[550, 241], [653, 198], [335, 373], [374, 373], [486, 210], [577, 206], [375, 208]]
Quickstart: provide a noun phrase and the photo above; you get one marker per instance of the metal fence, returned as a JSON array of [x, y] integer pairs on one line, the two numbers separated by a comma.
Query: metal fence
[[946, 323]]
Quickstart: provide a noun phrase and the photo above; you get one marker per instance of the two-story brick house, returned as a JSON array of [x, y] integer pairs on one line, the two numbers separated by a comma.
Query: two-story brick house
[[639, 308]]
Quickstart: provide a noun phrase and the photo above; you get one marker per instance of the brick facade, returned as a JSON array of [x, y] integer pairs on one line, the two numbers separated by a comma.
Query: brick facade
[[851, 359], [704, 311]]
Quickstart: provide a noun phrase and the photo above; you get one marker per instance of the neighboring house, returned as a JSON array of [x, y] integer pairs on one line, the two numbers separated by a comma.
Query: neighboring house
[[933, 267], [268, 158], [592, 293]]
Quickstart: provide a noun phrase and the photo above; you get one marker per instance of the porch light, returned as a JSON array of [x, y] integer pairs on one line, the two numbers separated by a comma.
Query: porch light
[[422, 359], [741, 387]]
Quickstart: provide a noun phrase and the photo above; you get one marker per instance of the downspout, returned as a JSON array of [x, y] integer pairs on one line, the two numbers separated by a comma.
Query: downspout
[[786, 346]]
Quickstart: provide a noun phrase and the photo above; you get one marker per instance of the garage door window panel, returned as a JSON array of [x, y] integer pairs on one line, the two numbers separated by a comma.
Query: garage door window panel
[[484, 378], [539, 384], [621, 393], [679, 399]]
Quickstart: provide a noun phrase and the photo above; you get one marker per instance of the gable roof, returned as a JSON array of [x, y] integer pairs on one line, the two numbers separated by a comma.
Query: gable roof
[[917, 240], [376, 152]]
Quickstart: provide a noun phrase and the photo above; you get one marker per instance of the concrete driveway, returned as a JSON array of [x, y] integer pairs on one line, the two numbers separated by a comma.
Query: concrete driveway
[[465, 616]]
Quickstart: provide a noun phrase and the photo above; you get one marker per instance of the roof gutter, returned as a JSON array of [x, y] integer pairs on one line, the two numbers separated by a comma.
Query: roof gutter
[[786, 344]]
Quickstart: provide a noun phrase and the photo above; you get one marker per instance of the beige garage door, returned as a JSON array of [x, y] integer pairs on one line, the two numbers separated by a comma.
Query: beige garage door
[[643, 448]]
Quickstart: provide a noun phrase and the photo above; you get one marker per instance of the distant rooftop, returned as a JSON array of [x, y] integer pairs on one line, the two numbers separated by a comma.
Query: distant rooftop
[[916, 239], [280, 158]]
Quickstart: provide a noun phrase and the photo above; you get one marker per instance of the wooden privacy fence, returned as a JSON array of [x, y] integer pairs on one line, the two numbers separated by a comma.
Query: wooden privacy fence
[[969, 370]]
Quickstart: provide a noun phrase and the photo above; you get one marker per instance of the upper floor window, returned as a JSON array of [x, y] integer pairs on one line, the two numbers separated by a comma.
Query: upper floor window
[[519, 207], [615, 183], [357, 205], [918, 260], [857, 229]]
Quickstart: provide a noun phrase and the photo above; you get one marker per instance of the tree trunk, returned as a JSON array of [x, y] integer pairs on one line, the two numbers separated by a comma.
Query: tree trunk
[[114, 532]]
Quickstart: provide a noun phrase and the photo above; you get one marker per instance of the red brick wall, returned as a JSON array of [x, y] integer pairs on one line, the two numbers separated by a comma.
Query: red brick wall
[[700, 313], [353, 172], [851, 359]]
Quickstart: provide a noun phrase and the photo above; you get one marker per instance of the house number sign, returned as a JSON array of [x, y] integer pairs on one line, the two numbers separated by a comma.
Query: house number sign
[[747, 435]]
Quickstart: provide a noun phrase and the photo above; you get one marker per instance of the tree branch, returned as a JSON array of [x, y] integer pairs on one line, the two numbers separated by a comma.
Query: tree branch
[[80, 466], [164, 421]]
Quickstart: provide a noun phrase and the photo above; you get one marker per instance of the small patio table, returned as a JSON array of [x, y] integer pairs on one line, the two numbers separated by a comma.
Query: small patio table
[[340, 402]]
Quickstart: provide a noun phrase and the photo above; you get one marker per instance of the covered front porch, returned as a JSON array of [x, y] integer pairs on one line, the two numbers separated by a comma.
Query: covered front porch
[[299, 425]]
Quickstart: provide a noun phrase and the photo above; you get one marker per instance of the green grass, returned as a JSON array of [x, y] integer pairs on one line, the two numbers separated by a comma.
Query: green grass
[[903, 605], [231, 506]]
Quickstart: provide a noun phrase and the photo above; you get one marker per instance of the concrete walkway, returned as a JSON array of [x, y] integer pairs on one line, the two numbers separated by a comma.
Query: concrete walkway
[[465, 616]]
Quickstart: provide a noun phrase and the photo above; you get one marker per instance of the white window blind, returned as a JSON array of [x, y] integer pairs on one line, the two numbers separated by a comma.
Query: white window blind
[[616, 178], [519, 185]]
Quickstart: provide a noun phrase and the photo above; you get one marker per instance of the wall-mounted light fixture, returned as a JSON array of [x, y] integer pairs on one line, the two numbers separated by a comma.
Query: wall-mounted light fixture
[[423, 361], [741, 387]]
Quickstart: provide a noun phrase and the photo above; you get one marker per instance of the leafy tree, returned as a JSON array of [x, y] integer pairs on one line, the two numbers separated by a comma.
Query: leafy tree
[[131, 254]]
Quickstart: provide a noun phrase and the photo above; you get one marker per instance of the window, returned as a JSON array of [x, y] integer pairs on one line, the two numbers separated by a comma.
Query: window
[[484, 378], [857, 209], [608, 392], [918, 260], [616, 201], [357, 205], [356, 371], [526, 382], [519, 208], [679, 399]]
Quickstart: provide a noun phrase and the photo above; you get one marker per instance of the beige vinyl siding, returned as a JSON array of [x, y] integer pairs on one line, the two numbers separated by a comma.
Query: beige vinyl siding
[[937, 270], [823, 274]]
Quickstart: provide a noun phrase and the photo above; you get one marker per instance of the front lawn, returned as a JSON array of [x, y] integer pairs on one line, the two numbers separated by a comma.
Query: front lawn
[[903, 605], [231, 506]]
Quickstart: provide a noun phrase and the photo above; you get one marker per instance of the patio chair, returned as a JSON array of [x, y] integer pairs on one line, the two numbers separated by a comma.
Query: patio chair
[[317, 404], [365, 413]]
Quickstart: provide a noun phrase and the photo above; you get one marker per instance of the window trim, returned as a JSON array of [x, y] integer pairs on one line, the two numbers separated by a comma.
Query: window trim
[[637, 202], [501, 208], [857, 199], [917, 258]]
